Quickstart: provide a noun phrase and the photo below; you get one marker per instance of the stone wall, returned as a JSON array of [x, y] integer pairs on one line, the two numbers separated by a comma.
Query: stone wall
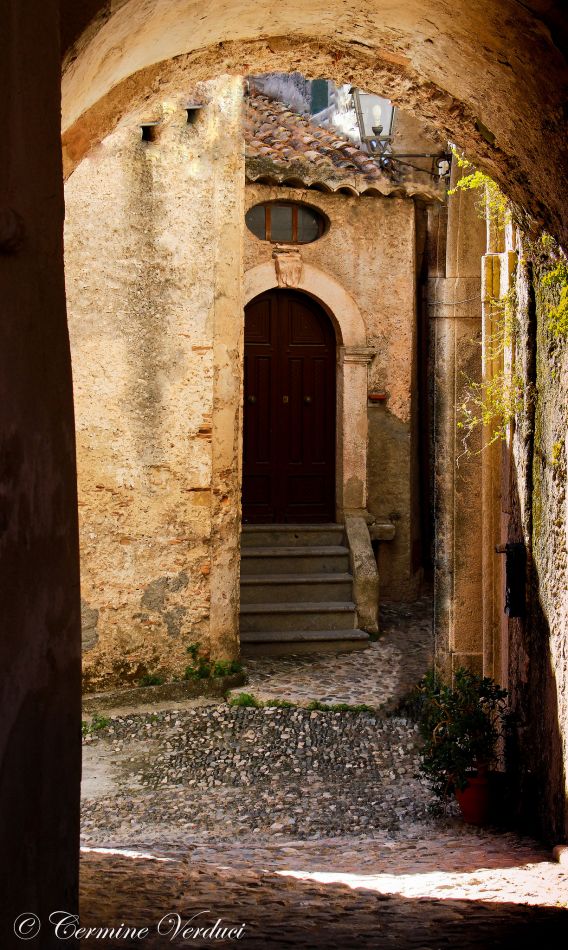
[[369, 249], [538, 659], [511, 491], [153, 264]]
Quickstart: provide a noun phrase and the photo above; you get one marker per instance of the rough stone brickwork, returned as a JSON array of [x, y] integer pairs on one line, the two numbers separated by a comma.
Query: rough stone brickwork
[[153, 278], [538, 660]]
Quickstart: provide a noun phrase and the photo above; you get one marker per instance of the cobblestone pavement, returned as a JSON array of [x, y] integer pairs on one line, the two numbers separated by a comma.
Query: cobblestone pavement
[[311, 828], [379, 676]]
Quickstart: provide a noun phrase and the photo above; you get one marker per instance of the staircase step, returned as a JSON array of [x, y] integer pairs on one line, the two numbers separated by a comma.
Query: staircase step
[[287, 535], [292, 588], [324, 559], [306, 616], [287, 642]]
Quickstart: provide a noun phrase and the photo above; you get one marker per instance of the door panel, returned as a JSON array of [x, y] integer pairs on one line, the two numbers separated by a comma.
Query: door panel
[[289, 411]]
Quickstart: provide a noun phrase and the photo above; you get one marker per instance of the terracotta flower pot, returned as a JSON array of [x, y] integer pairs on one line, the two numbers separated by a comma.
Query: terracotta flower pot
[[474, 799]]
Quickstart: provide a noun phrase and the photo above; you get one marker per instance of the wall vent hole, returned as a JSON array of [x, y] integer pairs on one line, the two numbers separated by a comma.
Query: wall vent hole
[[193, 109], [149, 131]]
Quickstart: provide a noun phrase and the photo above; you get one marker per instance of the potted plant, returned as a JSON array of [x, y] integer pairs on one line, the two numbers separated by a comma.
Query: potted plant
[[460, 724]]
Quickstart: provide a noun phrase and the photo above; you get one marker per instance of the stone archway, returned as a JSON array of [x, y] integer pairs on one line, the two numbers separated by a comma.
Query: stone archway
[[496, 83], [353, 358], [504, 106]]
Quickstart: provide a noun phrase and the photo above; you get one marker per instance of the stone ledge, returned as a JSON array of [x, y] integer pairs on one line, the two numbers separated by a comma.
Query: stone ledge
[[382, 531], [145, 695]]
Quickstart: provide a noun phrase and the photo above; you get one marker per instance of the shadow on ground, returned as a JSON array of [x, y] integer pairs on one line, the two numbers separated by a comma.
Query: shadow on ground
[[284, 912]]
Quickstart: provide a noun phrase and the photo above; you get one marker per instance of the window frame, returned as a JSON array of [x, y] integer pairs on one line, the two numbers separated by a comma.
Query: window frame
[[295, 206]]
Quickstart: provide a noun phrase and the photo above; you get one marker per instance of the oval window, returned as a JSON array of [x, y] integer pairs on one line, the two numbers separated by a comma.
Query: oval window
[[285, 223]]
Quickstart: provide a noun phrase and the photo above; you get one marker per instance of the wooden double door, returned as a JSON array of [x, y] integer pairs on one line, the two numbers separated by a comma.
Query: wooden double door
[[289, 411]]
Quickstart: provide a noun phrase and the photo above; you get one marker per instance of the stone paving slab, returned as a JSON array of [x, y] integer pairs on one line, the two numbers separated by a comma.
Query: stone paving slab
[[380, 676], [282, 911]]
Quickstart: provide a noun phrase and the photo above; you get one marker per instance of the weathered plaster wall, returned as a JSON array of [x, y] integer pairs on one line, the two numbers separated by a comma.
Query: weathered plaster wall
[[153, 263], [538, 655], [369, 249]]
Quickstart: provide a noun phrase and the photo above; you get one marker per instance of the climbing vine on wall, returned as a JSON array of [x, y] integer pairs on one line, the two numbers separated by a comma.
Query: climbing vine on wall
[[492, 203], [493, 404], [556, 280], [490, 406]]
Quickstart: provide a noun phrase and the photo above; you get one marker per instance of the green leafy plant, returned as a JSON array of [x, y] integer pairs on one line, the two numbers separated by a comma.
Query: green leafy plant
[[460, 725], [226, 667], [245, 699], [557, 280], [151, 679], [193, 650], [551, 282], [201, 671], [339, 707], [97, 723], [280, 704], [492, 405], [492, 203], [556, 454]]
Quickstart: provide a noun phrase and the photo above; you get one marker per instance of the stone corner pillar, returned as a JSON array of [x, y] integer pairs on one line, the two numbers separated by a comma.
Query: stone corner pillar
[[455, 312], [228, 354], [352, 428]]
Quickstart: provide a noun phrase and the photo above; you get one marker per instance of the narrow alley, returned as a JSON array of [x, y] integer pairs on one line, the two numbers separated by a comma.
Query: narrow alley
[[316, 829]]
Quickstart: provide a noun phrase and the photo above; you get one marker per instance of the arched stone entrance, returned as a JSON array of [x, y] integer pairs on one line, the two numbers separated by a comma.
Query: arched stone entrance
[[289, 442], [353, 358]]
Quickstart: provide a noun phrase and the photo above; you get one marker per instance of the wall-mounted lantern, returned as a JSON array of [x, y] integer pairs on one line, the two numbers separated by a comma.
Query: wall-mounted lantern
[[375, 118]]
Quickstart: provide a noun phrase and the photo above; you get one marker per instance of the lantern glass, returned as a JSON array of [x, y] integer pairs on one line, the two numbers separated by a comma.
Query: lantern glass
[[376, 112]]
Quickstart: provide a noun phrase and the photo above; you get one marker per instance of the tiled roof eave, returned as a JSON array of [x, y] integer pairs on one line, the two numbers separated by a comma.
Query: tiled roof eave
[[306, 175]]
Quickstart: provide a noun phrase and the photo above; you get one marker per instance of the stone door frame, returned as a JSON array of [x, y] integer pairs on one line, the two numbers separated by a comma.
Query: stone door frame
[[353, 358]]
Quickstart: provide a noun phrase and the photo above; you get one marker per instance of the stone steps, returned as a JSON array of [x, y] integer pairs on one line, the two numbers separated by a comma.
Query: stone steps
[[306, 616], [297, 591], [300, 559], [291, 588], [286, 642], [260, 535]]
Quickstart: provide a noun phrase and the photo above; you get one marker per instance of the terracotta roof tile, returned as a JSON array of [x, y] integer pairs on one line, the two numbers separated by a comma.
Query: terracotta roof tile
[[317, 154], [282, 146]]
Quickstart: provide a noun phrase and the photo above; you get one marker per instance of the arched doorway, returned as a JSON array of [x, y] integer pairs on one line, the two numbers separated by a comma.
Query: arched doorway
[[289, 411]]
